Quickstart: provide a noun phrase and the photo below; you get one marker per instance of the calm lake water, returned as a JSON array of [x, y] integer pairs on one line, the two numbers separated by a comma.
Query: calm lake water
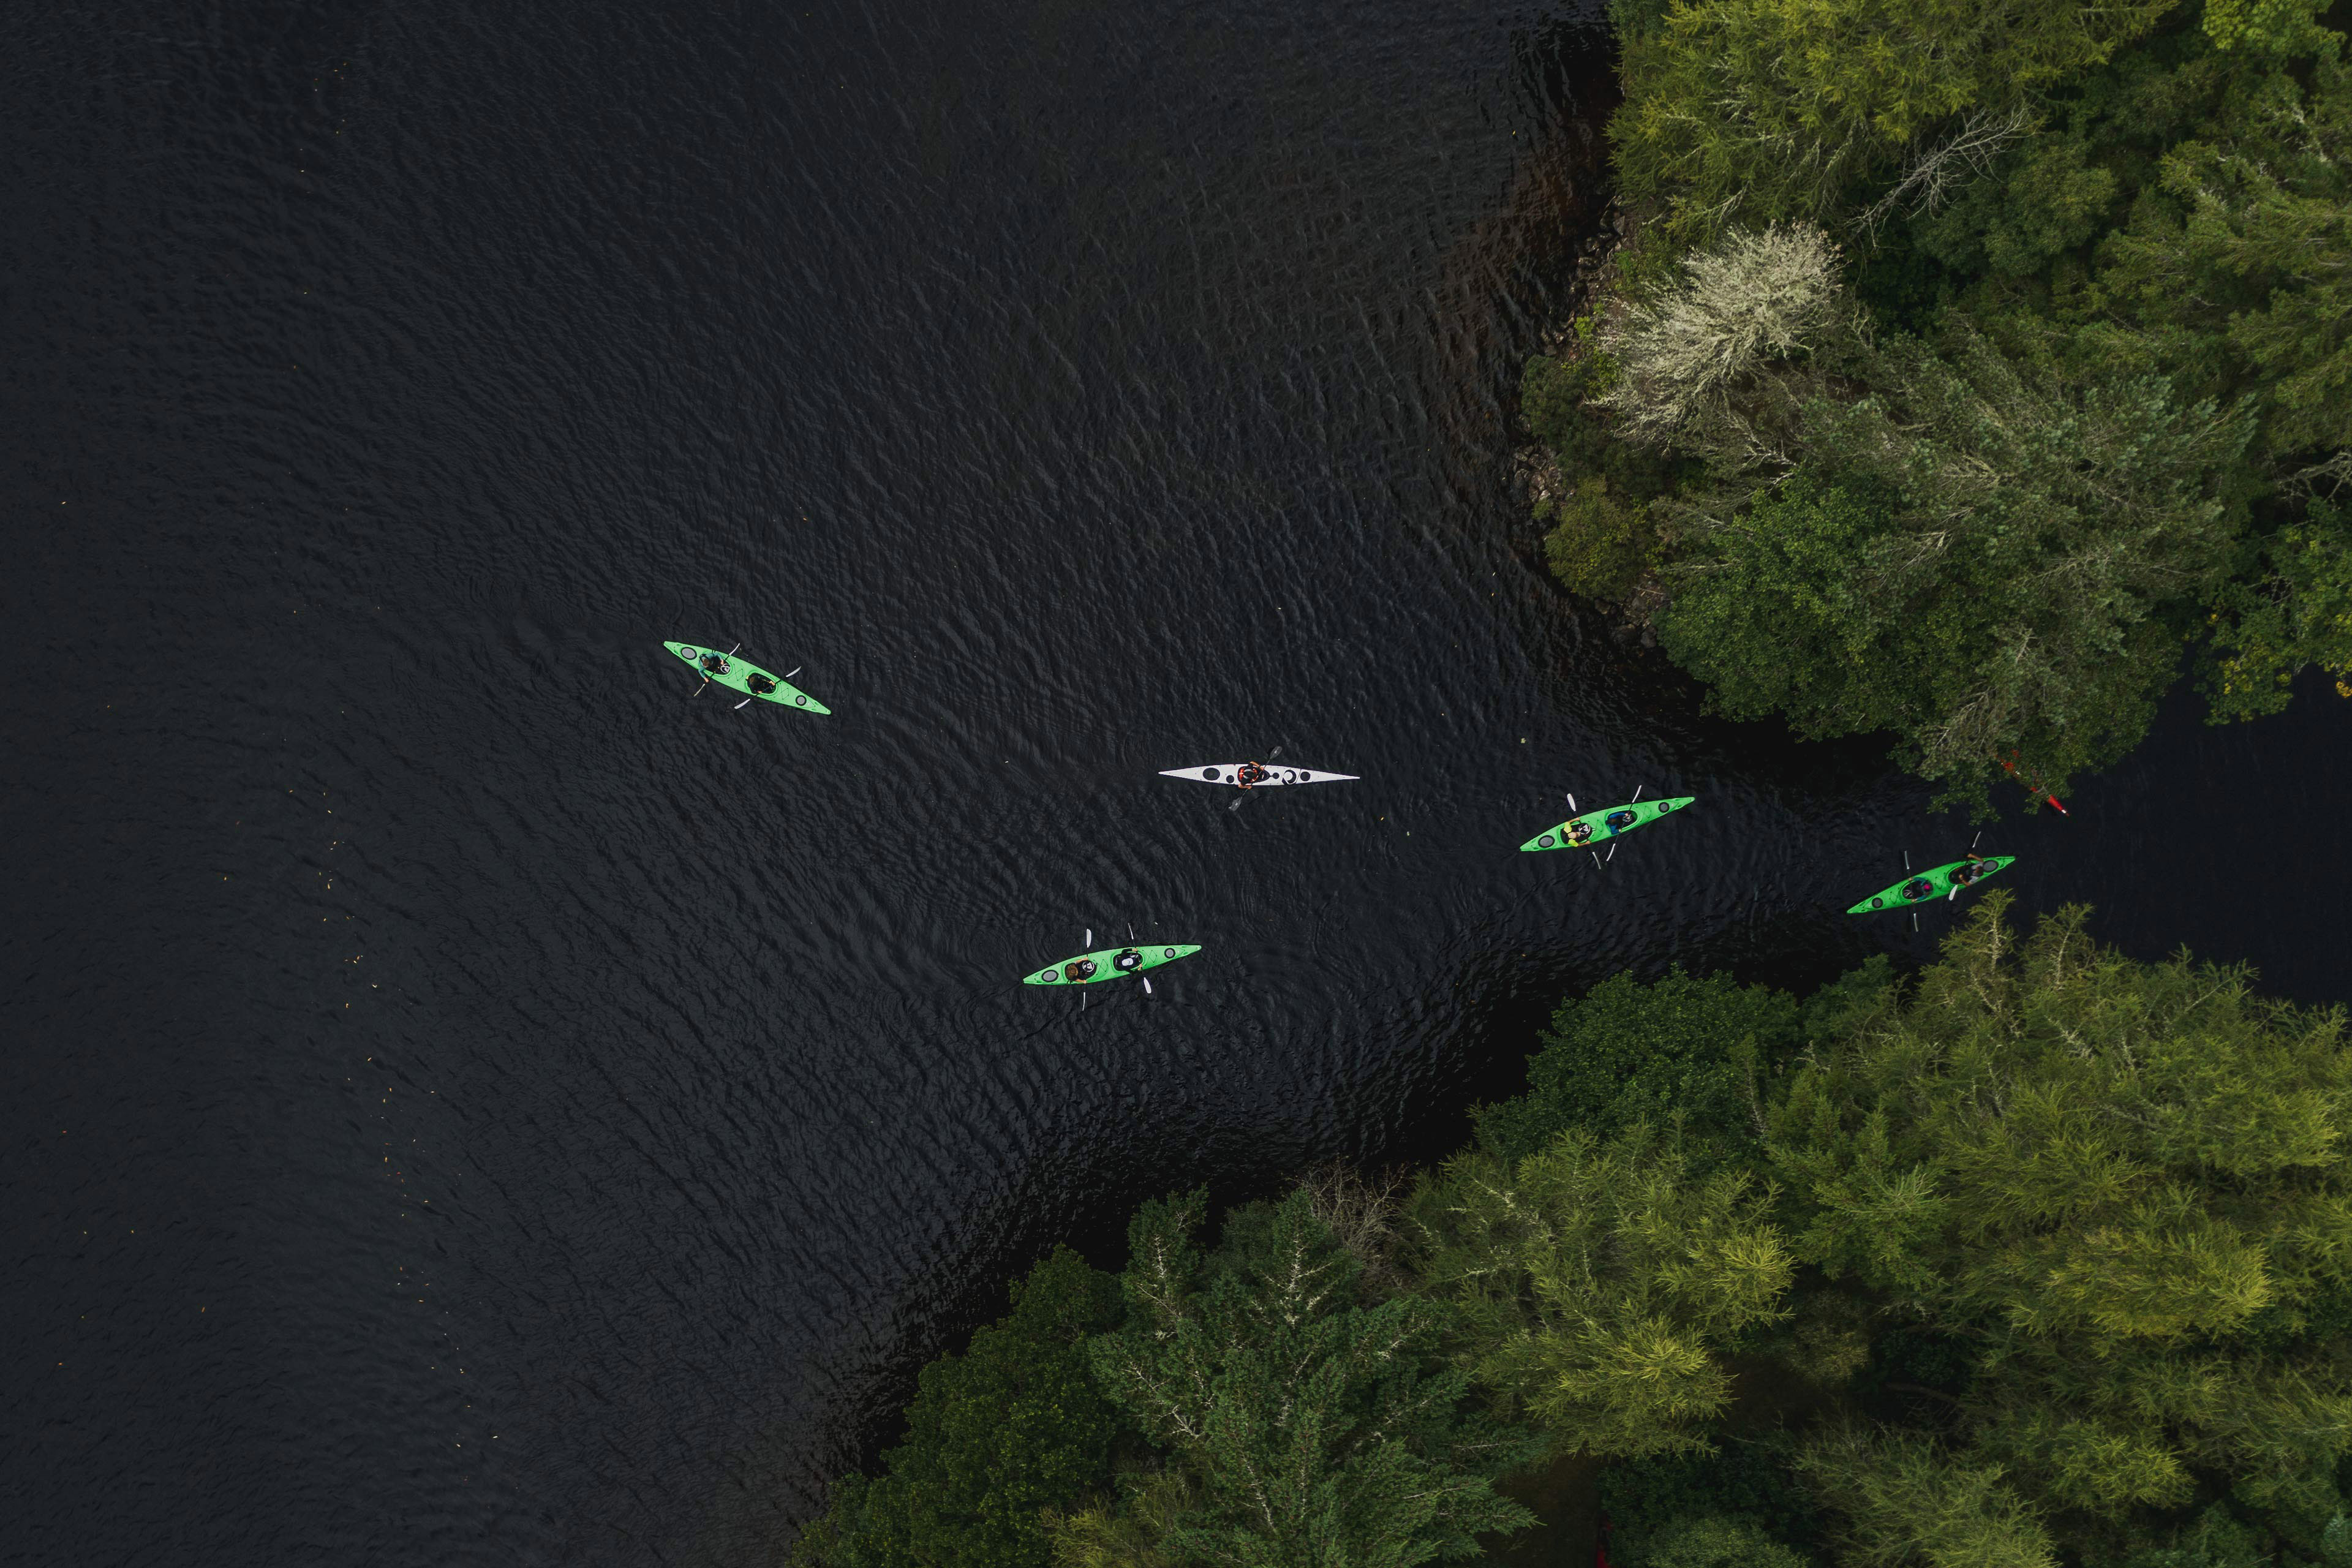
[[471, 1101]]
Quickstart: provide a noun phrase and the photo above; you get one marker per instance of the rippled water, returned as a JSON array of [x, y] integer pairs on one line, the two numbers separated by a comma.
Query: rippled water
[[472, 1102]]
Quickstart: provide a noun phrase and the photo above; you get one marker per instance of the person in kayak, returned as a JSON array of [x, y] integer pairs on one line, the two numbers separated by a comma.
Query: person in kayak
[[760, 685], [1078, 969], [1918, 887], [1248, 774], [1579, 832], [1619, 821], [1129, 961], [714, 664]]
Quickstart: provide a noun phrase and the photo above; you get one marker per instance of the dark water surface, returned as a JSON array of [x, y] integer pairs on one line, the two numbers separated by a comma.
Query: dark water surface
[[469, 1102]]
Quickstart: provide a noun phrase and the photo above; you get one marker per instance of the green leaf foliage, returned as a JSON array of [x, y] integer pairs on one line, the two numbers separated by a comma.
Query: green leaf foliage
[[1752, 110], [1633, 1051], [1598, 546], [1711, 1541], [1319, 1430], [1599, 1283], [2297, 615], [1979, 556], [2096, 359], [1013, 1427], [1908, 1503], [1742, 1502], [2125, 1187]]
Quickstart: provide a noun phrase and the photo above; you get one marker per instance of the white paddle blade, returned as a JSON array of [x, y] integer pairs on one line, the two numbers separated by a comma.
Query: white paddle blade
[[745, 704], [1091, 936], [1147, 983], [1637, 792], [795, 670], [1572, 803]]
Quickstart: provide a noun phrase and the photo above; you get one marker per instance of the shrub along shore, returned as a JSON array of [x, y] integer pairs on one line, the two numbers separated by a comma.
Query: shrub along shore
[[1970, 370], [2041, 1256]]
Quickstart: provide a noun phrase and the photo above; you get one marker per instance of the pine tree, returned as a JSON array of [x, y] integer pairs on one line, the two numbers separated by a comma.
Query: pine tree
[[2122, 1188], [1598, 1284], [1321, 1432], [1011, 1427]]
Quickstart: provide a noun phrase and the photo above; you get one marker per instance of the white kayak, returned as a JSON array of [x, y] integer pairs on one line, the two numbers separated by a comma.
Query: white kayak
[[1230, 773]]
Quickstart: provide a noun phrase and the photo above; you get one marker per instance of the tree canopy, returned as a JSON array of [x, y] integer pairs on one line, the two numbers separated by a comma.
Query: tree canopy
[[1973, 364], [1013, 1427], [2038, 1257], [1320, 1429]]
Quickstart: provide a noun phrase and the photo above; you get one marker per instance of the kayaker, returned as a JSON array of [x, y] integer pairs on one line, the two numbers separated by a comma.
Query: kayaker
[[1918, 887], [760, 685], [1129, 961], [1580, 831], [1619, 821], [715, 663], [1078, 969], [1249, 774]]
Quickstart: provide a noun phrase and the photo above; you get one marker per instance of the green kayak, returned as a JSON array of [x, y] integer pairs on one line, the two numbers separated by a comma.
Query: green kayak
[[1094, 968], [1928, 885], [1596, 826], [745, 677]]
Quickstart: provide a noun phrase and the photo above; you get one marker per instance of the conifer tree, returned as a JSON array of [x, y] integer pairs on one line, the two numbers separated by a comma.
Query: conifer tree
[[2124, 1191], [1598, 1283], [1318, 1432], [1011, 1427]]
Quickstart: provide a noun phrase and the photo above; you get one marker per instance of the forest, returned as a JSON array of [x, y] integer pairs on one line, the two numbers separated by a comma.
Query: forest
[[2039, 1255], [1971, 372]]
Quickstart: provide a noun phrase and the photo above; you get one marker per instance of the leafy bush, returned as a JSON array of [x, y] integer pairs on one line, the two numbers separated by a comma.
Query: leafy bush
[[1600, 545], [1014, 1426], [1683, 357], [2297, 615], [1632, 1052]]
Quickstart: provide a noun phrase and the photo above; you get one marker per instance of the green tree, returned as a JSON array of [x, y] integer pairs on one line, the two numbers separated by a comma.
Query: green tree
[[1012, 1427], [1598, 1284], [2239, 248], [2298, 614], [2123, 1189], [1977, 553], [1755, 111], [1320, 1432], [1631, 1051], [1907, 1503]]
